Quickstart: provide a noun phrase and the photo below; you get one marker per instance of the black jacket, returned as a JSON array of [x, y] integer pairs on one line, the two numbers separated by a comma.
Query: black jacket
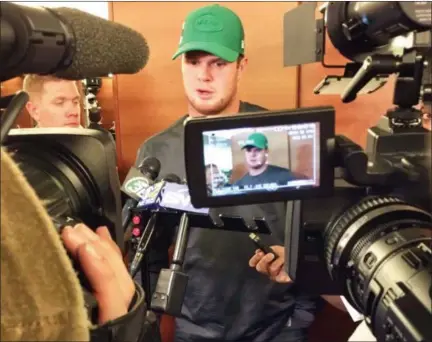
[[138, 325]]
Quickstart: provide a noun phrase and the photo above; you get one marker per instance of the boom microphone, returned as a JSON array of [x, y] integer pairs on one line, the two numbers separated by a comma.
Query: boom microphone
[[67, 42]]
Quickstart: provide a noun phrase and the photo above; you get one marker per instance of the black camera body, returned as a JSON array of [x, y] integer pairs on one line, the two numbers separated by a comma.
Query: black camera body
[[372, 243], [73, 172], [363, 227]]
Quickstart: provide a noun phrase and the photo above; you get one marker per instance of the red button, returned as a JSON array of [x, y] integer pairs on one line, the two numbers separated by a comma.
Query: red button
[[136, 220]]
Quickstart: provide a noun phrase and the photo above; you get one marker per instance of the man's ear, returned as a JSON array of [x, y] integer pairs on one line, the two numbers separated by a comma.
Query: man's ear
[[242, 63], [33, 110]]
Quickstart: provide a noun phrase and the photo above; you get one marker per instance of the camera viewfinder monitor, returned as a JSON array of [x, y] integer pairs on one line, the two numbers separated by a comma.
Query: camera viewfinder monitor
[[260, 157]]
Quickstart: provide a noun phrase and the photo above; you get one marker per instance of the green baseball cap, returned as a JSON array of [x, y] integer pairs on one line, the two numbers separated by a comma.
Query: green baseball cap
[[214, 29], [257, 140]]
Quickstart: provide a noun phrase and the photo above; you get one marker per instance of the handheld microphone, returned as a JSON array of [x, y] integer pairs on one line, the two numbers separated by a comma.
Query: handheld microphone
[[67, 42], [166, 195], [152, 194], [135, 185], [172, 282], [171, 200]]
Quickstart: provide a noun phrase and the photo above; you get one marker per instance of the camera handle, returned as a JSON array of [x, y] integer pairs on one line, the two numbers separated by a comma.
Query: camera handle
[[356, 168], [410, 68], [372, 66]]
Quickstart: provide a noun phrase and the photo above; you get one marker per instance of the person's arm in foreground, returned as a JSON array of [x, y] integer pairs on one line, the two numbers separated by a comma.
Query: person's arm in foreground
[[121, 305]]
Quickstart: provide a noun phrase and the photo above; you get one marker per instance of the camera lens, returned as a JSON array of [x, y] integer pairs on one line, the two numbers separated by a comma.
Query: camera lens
[[379, 251], [59, 179]]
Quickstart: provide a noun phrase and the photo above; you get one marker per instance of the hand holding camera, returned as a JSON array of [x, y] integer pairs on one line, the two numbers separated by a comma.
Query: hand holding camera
[[101, 261]]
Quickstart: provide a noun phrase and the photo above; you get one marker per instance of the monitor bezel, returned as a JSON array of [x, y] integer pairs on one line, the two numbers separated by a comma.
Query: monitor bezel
[[194, 154]]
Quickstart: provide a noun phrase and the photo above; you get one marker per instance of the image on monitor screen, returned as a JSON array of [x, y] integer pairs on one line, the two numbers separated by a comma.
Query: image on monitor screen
[[262, 159]]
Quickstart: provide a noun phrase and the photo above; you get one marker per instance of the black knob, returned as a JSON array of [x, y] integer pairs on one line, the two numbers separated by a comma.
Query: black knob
[[353, 29]]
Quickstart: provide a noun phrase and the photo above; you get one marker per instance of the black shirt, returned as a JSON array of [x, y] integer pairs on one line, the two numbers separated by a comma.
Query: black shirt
[[272, 174], [225, 299]]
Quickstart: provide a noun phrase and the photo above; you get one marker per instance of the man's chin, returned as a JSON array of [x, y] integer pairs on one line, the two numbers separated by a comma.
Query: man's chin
[[207, 107]]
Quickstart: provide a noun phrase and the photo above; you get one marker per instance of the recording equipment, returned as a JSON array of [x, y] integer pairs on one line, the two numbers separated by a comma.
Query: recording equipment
[[73, 185], [370, 239], [67, 177], [135, 185], [162, 197], [167, 205], [172, 282], [261, 245], [66, 42], [170, 200], [380, 38], [73, 172], [143, 245], [146, 236], [93, 84], [137, 235], [241, 146]]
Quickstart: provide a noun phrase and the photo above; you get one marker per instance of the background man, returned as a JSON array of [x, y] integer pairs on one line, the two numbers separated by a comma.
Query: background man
[[53, 102], [426, 108], [256, 160], [225, 299], [215, 179]]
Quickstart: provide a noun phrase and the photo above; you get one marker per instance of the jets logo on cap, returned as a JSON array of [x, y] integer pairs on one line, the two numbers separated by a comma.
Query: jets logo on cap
[[208, 23]]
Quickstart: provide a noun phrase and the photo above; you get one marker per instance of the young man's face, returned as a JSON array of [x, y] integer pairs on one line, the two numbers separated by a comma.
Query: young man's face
[[58, 105], [255, 157], [210, 83]]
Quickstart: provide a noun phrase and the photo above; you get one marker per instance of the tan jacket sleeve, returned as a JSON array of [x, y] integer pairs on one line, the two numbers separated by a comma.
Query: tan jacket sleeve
[[41, 299]]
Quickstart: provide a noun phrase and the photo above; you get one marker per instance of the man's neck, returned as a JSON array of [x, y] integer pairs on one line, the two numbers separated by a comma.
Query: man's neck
[[231, 109], [257, 172]]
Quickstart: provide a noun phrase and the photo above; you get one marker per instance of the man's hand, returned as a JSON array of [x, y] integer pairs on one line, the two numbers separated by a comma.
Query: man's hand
[[267, 265], [101, 261]]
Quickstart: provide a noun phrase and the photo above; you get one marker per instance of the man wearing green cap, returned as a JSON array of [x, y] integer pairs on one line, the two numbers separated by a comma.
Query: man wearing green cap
[[259, 171], [225, 299], [212, 47]]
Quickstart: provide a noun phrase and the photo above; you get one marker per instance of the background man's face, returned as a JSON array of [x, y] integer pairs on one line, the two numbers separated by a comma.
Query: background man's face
[[58, 105], [210, 83], [427, 115], [213, 175], [255, 157]]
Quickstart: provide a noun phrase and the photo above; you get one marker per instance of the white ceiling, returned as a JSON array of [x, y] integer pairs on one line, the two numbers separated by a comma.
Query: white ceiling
[[99, 8]]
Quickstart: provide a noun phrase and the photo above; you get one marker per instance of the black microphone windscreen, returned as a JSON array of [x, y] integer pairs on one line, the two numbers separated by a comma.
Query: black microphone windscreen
[[101, 46], [150, 165]]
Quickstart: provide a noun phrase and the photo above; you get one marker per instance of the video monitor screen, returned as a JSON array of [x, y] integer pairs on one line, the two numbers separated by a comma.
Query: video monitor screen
[[262, 159]]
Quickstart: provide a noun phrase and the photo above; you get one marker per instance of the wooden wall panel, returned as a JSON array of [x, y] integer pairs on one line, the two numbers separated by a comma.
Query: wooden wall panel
[[106, 101], [10, 87], [152, 99]]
